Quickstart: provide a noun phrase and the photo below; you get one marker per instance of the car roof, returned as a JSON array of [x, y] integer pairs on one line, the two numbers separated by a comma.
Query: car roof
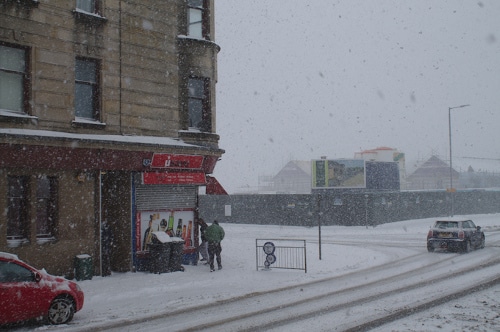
[[8, 255], [452, 219]]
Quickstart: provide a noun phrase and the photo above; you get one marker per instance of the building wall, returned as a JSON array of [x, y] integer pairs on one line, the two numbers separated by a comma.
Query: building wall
[[137, 98], [76, 222], [145, 56]]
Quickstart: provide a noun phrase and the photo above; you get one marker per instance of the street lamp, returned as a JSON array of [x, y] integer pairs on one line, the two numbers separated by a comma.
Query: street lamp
[[451, 162]]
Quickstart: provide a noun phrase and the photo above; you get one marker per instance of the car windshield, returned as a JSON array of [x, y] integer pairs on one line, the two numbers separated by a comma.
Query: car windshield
[[446, 224]]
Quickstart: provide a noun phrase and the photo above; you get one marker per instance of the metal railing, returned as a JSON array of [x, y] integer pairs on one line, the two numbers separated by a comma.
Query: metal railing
[[281, 254]]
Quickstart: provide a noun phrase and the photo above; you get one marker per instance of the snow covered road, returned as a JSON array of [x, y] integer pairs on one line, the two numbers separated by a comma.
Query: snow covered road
[[366, 277], [360, 300]]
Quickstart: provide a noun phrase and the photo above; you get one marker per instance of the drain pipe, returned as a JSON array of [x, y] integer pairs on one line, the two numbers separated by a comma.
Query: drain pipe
[[100, 222]]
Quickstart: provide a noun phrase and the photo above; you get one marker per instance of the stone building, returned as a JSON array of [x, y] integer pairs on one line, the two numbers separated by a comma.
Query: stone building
[[107, 116], [293, 178]]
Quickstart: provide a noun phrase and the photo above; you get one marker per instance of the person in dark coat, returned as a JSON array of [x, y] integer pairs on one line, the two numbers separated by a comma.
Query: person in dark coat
[[203, 248], [107, 245], [214, 235], [148, 234]]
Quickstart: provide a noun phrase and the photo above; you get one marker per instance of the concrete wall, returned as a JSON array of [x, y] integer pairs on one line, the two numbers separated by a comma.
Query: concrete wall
[[348, 209]]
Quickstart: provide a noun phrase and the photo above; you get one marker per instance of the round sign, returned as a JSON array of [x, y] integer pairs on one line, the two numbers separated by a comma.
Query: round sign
[[268, 248], [270, 259]]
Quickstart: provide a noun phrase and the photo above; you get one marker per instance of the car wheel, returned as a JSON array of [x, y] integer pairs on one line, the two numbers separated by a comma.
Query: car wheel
[[483, 242], [61, 311], [430, 248], [467, 246]]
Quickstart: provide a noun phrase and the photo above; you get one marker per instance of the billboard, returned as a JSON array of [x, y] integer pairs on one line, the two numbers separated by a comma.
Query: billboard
[[338, 173], [382, 175], [355, 174]]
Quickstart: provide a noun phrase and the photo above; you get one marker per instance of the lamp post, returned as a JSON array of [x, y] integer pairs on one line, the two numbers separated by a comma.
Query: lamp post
[[319, 225], [451, 162]]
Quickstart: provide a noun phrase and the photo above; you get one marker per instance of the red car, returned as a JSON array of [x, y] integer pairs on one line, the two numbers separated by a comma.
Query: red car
[[27, 293]]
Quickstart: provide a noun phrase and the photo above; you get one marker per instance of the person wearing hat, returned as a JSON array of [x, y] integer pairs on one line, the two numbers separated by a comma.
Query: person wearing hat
[[214, 235]]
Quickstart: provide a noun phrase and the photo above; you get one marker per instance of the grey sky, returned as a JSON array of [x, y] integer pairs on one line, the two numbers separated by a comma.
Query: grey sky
[[302, 79]]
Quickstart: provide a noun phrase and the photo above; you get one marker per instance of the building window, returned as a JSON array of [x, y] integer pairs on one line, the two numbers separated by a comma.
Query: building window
[[46, 208], [14, 79], [87, 89], [88, 6], [199, 104], [198, 19], [17, 210]]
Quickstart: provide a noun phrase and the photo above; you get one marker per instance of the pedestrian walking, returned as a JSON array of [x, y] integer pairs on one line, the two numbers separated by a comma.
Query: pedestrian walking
[[214, 235], [203, 248]]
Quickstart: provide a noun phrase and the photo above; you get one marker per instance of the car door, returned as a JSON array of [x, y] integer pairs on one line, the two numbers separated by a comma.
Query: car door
[[19, 298], [475, 235]]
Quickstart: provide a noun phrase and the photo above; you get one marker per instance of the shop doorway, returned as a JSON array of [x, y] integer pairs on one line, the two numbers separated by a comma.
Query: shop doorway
[[115, 215]]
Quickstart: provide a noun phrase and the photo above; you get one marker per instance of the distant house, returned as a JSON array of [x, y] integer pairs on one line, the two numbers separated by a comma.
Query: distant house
[[293, 178], [432, 174]]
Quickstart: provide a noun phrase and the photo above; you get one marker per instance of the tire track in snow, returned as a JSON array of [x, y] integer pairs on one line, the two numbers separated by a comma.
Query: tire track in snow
[[321, 298]]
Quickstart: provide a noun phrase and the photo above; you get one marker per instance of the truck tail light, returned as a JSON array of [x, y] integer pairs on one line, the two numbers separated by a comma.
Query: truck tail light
[[461, 235], [430, 234]]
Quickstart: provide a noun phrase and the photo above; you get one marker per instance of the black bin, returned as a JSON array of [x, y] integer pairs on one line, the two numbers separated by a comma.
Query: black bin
[[83, 267], [159, 257], [177, 250]]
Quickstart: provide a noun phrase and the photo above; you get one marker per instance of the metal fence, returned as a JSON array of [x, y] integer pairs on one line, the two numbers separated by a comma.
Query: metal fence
[[281, 254]]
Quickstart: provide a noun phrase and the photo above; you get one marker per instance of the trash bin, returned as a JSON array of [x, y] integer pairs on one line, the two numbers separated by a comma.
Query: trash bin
[[83, 267], [159, 253], [176, 253], [142, 261]]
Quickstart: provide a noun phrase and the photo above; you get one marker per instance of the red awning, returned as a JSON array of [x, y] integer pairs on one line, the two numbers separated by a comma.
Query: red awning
[[214, 187]]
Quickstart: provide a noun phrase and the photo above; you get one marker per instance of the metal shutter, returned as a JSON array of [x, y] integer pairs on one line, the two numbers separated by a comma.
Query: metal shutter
[[159, 197]]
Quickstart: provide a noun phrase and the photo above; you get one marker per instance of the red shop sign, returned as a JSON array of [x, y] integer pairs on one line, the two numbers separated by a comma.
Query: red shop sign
[[176, 161], [197, 178]]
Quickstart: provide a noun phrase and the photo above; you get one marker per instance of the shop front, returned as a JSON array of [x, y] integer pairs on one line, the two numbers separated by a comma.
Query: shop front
[[165, 200], [64, 197]]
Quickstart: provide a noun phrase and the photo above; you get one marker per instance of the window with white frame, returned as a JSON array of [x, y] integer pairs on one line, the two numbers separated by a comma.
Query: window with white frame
[[199, 104], [14, 78], [198, 19], [87, 89]]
